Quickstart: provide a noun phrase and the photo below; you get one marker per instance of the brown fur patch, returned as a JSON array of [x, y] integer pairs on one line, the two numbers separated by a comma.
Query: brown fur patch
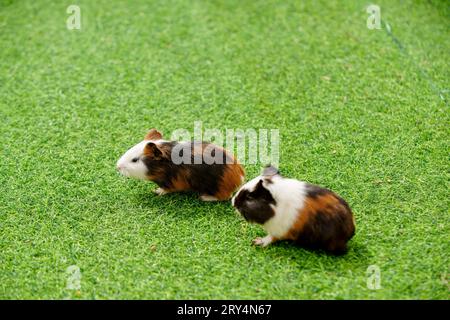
[[231, 180], [325, 222], [180, 182], [153, 134]]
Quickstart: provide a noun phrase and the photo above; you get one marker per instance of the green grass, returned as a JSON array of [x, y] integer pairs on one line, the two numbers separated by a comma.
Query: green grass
[[356, 114]]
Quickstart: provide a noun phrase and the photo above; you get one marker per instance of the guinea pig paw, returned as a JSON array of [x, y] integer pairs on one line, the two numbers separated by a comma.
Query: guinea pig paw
[[257, 241], [160, 191], [262, 242], [206, 197]]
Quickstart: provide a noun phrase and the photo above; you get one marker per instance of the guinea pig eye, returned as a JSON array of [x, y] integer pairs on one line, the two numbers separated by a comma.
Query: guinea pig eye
[[135, 160]]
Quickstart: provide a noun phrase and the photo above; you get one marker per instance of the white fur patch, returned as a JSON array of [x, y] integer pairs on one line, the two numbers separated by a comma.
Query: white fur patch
[[289, 195], [137, 169]]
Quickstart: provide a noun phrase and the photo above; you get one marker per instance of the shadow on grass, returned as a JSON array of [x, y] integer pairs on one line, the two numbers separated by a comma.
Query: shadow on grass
[[358, 256], [184, 204]]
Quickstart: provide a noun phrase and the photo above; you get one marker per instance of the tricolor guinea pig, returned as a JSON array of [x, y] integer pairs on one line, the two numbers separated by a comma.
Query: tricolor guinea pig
[[183, 166], [311, 216]]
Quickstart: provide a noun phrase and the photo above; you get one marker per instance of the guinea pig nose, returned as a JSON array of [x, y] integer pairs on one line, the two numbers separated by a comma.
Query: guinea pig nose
[[119, 167]]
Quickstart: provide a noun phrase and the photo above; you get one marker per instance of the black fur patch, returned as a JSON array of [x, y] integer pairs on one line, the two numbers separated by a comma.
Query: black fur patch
[[255, 205], [314, 191]]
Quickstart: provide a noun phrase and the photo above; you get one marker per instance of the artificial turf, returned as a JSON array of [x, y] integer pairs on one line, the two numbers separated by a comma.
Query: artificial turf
[[363, 112]]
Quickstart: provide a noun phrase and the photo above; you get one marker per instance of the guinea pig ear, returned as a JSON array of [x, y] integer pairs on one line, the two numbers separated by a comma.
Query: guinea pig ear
[[152, 149], [153, 134], [270, 171]]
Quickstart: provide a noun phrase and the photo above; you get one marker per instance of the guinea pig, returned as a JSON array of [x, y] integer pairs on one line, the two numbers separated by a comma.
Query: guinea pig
[[311, 216], [183, 166]]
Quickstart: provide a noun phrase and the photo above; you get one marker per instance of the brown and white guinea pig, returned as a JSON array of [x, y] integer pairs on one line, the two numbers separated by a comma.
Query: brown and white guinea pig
[[209, 169], [311, 216]]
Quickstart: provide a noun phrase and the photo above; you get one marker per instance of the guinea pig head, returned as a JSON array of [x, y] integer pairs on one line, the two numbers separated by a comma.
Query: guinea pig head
[[135, 163], [254, 200]]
